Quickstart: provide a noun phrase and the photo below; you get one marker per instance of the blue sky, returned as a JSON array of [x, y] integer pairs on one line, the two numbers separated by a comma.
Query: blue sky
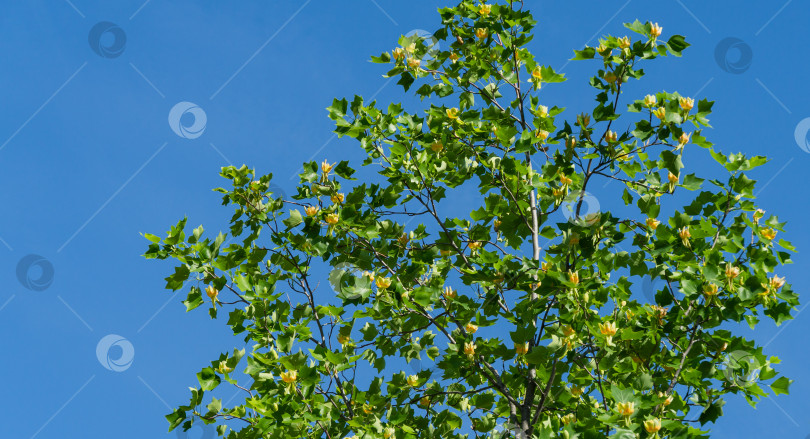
[[89, 161]]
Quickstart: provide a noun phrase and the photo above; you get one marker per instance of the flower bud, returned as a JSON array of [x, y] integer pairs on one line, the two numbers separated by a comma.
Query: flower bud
[[573, 277], [383, 282], [522, 348], [687, 103], [758, 214], [211, 292], [652, 425], [469, 348], [660, 113], [683, 139], [649, 101], [626, 408], [398, 54], [611, 136], [454, 57], [655, 30], [449, 293], [537, 74], [610, 77], [326, 167], [542, 111]]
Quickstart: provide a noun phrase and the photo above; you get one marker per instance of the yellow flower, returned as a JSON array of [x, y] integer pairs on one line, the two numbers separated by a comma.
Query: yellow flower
[[711, 290], [471, 327], [537, 74], [576, 390], [542, 111], [343, 339], [452, 113], [454, 57], [388, 432], [758, 214], [626, 408], [522, 348], [573, 277], [469, 348], [571, 142], [223, 368], [449, 293], [332, 219], [565, 181], [672, 178], [687, 103], [568, 331], [211, 292], [653, 223], [424, 401], [369, 275], [684, 233], [660, 113], [608, 329], [584, 120], [568, 419], [624, 42], [655, 30], [367, 409], [768, 234], [541, 134], [485, 10], [545, 266], [496, 224], [326, 167], [649, 101], [337, 198], [776, 282], [601, 49], [413, 380], [557, 193], [611, 136], [398, 54], [683, 139], [311, 210], [610, 77], [411, 48], [289, 376], [436, 147], [667, 401], [481, 33], [732, 272], [474, 245], [445, 252], [383, 282], [414, 63], [652, 425]]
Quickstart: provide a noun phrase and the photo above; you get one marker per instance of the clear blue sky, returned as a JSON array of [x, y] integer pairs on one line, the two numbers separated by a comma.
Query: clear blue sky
[[89, 161]]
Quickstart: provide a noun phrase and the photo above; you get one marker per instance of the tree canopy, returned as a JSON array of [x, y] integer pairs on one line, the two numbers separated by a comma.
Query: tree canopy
[[620, 325]]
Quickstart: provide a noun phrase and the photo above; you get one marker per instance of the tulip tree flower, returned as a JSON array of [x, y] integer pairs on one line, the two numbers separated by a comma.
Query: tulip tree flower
[[602, 361]]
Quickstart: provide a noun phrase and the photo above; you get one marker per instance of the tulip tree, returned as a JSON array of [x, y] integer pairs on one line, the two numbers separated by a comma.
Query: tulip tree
[[530, 303]]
